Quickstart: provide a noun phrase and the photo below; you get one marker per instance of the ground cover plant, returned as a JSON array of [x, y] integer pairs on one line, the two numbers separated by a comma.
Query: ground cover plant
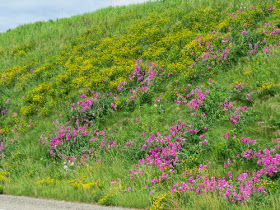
[[164, 105]]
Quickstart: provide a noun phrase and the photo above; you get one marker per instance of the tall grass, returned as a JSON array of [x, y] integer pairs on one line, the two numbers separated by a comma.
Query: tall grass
[[199, 117]]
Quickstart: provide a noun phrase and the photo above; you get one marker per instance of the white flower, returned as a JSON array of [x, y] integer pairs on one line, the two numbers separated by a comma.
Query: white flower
[[65, 167], [155, 105]]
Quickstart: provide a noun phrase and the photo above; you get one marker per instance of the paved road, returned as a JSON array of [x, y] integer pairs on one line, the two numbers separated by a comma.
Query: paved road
[[8, 202]]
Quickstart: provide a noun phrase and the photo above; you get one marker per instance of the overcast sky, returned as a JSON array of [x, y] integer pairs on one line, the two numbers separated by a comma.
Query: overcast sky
[[17, 12]]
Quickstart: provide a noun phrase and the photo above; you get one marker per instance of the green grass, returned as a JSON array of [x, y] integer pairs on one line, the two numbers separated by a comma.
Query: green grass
[[98, 55]]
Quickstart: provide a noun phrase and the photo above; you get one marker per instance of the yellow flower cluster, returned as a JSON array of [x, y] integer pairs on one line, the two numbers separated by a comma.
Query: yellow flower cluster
[[100, 59], [5, 130], [82, 184], [188, 162], [112, 191], [157, 200], [189, 159], [46, 181], [11, 75], [2, 179], [81, 181], [268, 185], [193, 170], [3, 175], [266, 86], [21, 50]]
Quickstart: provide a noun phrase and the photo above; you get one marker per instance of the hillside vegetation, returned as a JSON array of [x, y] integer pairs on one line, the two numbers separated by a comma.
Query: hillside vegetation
[[164, 105]]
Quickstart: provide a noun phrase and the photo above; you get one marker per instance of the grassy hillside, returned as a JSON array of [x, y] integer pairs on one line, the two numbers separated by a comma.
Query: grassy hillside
[[168, 104]]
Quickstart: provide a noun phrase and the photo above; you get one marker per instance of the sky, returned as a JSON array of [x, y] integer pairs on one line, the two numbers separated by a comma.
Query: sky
[[18, 12]]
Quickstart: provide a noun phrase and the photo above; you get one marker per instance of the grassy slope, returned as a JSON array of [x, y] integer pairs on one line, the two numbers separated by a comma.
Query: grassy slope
[[69, 60]]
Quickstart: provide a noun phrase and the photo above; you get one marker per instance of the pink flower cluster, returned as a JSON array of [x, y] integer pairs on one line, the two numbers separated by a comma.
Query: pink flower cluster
[[234, 113], [143, 78], [194, 99], [236, 189], [4, 111], [238, 88]]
